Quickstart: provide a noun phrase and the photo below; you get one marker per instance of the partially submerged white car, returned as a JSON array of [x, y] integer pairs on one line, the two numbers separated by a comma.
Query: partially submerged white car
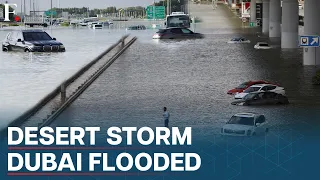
[[261, 88], [262, 45], [240, 40], [245, 124]]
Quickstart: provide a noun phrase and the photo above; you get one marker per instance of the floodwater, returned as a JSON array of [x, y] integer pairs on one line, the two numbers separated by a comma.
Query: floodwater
[[27, 77], [191, 78]]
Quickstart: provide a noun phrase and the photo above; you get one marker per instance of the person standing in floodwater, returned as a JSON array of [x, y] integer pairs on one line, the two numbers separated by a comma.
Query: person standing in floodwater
[[166, 116]]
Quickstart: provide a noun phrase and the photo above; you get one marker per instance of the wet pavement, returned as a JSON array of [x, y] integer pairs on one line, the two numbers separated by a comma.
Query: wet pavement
[[191, 78]]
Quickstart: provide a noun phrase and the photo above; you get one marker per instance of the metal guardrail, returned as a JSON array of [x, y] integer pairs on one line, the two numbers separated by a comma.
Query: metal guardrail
[[62, 87], [71, 99]]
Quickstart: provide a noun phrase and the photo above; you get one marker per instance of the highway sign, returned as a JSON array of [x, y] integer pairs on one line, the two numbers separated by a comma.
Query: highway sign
[[48, 13], [309, 41], [156, 12]]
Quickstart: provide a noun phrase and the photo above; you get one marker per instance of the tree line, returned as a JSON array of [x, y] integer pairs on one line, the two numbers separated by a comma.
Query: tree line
[[176, 5]]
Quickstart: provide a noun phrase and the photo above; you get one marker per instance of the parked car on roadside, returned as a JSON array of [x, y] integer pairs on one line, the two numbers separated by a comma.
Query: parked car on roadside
[[245, 124], [245, 85], [262, 45], [260, 88], [262, 98], [138, 27], [239, 40], [31, 41], [177, 33]]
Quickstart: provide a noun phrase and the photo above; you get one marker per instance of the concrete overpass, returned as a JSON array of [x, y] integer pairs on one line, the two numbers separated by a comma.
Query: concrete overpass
[[283, 22]]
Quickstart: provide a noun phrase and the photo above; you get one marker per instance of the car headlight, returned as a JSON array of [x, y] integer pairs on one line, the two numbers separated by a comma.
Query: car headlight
[[248, 132], [34, 47], [62, 47]]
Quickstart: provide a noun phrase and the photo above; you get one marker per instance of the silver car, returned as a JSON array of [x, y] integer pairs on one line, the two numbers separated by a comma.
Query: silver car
[[177, 33]]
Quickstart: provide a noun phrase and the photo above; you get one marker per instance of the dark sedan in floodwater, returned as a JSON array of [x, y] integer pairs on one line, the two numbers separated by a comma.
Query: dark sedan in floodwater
[[177, 33], [262, 98], [139, 27], [31, 41]]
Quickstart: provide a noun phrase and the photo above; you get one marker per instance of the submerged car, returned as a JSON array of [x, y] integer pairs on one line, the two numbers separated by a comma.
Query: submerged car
[[262, 45], [245, 124], [31, 41], [262, 98], [239, 40], [177, 33], [244, 86], [139, 27], [260, 88]]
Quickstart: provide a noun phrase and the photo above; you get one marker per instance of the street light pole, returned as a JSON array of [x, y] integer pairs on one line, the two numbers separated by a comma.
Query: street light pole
[[154, 10], [168, 7], [51, 17]]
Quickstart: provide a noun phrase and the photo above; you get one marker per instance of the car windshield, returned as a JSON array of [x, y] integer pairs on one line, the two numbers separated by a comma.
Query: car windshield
[[241, 120], [36, 36], [161, 31], [178, 21], [251, 89], [243, 85]]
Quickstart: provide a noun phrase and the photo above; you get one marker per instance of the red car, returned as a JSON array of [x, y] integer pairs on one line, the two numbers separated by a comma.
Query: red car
[[245, 85]]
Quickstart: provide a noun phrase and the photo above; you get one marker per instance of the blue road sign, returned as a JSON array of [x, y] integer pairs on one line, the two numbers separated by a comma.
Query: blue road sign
[[310, 41]]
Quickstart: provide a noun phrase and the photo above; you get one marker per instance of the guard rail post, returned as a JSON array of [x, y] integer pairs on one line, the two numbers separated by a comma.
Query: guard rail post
[[122, 42], [63, 93]]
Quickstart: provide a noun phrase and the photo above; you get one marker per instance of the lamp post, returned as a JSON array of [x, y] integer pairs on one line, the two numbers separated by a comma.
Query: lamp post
[[51, 16]]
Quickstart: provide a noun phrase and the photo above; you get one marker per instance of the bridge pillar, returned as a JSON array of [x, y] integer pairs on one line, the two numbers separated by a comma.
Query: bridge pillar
[[311, 55], [265, 16], [290, 24], [274, 18], [253, 11]]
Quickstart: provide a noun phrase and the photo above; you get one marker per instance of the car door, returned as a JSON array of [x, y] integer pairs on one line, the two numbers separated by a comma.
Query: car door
[[261, 99], [13, 41], [260, 124], [176, 33], [264, 88], [20, 44], [255, 100]]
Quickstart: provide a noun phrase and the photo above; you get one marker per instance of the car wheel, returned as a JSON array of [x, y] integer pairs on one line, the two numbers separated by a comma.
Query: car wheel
[[5, 48]]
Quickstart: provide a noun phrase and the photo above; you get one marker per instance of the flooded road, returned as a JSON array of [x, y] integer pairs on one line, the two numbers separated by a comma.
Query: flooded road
[[191, 78], [27, 77]]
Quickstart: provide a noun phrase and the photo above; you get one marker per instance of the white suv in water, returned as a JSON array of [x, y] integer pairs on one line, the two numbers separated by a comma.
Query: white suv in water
[[260, 88], [245, 124]]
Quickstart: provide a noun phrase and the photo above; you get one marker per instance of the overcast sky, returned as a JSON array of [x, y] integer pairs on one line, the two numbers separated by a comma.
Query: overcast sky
[[45, 4]]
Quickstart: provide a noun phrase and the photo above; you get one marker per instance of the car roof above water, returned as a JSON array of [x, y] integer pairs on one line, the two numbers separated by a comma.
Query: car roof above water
[[245, 115]]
